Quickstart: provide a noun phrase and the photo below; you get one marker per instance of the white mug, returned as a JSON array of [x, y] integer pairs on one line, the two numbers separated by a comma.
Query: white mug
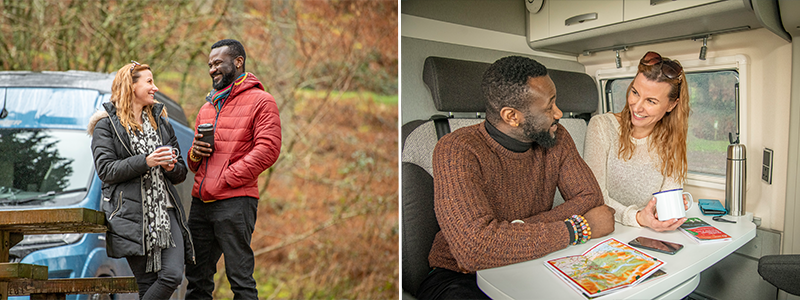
[[173, 151], [669, 204]]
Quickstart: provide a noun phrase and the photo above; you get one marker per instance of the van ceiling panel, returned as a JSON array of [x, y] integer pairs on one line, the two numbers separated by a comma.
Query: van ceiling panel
[[498, 15]]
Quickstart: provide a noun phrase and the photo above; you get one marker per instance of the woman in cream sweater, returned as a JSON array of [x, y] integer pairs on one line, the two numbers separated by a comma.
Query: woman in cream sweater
[[642, 150]]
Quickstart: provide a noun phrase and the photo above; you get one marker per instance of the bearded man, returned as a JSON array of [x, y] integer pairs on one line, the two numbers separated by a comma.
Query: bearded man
[[494, 184], [247, 141]]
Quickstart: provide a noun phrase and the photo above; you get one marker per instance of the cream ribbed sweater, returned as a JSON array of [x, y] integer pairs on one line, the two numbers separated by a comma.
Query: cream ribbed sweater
[[627, 186]]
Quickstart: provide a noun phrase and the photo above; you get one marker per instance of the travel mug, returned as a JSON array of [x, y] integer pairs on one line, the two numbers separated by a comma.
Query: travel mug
[[207, 130]]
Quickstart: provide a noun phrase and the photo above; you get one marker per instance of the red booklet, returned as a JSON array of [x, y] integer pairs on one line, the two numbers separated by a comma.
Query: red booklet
[[703, 232]]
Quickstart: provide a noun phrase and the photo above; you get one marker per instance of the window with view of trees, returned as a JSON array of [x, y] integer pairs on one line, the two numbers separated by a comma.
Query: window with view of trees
[[712, 97]]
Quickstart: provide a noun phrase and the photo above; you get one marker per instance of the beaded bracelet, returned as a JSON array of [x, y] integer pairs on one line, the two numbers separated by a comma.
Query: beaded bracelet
[[585, 230], [192, 157], [574, 230], [577, 233], [581, 228], [571, 229]]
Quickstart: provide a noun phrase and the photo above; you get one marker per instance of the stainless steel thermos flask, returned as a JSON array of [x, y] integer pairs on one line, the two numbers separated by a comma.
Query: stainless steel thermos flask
[[736, 178]]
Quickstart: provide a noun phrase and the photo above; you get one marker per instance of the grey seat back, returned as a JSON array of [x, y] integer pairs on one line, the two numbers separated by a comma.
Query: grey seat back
[[782, 271], [455, 88]]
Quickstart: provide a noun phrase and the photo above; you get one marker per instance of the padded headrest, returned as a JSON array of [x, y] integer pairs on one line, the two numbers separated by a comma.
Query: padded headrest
[[455, 86], [575, 92]]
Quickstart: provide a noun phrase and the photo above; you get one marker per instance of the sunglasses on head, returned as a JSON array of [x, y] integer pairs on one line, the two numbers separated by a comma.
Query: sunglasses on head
[[670, 68], [134, 65]]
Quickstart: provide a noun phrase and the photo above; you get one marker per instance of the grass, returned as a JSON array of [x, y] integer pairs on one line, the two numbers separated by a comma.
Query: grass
[[385, 99], [706, 156], [702, 145]]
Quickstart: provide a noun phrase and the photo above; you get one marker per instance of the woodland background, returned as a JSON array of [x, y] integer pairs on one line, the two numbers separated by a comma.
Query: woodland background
[[328, 212]]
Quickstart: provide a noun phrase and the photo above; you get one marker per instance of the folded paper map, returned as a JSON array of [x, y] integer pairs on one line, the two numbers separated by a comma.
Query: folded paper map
[[608, 266]]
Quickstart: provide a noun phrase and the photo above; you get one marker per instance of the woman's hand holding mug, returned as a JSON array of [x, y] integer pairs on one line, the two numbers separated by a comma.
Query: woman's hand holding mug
[[164, 156]]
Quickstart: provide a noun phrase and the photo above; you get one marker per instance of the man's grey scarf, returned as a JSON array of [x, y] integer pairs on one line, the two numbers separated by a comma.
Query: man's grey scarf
[[154, 198]]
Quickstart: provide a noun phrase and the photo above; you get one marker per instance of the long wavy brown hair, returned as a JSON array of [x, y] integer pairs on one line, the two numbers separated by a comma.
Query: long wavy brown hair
[[669, 135], [122, 97]]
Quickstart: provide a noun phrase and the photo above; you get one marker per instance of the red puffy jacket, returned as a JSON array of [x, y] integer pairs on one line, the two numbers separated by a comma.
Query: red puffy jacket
[[247, 141]]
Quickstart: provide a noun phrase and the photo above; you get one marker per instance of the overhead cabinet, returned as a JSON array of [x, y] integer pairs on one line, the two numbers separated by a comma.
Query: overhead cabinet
[[635, 9], [571, 16], [575, 27]]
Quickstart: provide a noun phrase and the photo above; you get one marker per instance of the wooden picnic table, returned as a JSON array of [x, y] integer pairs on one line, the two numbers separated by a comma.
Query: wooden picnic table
[[18, 279]]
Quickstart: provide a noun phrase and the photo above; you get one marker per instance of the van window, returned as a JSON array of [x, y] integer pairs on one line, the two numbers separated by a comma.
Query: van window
[[713, 96], [44, 167], [44, 149], [44, 107]]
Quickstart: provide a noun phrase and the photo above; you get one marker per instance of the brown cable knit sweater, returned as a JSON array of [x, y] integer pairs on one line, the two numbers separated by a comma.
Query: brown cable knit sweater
[[480, 187]]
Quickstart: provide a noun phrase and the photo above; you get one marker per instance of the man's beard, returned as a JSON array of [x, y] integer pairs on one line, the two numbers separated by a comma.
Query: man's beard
[[227, 79], [541, 137]]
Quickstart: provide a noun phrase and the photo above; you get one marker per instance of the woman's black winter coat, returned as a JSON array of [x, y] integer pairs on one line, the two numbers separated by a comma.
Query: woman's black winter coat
[[121, 171]]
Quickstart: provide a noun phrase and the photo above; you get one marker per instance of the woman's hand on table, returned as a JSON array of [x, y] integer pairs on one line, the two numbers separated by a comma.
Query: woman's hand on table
[[648, 217]]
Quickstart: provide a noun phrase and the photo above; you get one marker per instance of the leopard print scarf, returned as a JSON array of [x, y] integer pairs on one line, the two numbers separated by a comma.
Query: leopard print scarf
[[154, 198]]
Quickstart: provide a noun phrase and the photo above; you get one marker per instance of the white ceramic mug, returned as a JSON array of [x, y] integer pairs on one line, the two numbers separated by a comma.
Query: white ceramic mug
[[669, 204], [173, 152]]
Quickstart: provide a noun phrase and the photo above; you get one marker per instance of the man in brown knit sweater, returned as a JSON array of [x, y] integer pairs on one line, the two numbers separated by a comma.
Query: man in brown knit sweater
[[494, 184]]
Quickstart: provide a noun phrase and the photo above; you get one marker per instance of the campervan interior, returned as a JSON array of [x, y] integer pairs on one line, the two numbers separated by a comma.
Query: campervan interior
[[741, 57]]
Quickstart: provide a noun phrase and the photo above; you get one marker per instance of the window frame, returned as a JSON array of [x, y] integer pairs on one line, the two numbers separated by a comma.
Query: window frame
[[738, 63]]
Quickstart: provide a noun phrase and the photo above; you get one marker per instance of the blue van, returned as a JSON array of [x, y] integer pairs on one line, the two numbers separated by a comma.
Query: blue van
[[46, 162]]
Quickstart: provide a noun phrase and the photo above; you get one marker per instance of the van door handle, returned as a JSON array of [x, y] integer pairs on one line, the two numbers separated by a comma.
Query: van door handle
[[657, 2], [580, 19]]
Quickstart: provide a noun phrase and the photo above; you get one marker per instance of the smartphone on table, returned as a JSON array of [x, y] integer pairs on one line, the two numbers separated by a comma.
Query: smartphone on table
[[656, 245]]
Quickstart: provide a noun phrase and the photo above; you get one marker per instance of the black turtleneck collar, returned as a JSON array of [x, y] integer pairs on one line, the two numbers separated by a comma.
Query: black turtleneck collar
[[506, 141]]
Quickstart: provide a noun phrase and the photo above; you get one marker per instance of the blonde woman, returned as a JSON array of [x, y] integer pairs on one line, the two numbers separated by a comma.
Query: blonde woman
[[642, 150], [143, 211]]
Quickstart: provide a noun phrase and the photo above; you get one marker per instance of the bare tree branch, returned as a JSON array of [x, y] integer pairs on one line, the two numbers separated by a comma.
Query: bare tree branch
[[300, 237]]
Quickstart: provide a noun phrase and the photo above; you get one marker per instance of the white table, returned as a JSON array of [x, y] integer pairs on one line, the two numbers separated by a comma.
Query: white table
[[532, 280]]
